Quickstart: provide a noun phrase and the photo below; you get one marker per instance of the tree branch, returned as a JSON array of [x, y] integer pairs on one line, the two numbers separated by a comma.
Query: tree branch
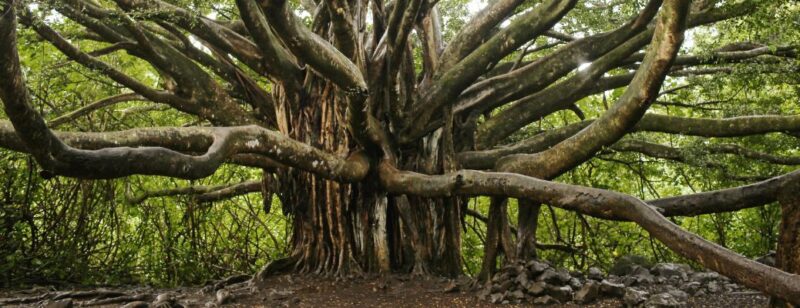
[[598, 203], [625, 113], [105, 102]]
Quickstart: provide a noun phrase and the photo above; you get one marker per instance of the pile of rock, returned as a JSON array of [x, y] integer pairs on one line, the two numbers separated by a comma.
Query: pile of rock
[[631, 280]]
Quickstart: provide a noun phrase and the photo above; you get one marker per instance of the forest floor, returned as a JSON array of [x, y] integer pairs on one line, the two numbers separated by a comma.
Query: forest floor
[[310, 291]]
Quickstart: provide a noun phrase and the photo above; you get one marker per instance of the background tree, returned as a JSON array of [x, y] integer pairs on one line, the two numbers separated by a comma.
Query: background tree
[[371, 123]]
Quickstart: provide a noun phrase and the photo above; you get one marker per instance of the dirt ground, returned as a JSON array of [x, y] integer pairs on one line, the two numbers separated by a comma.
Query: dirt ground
[[309, 291]]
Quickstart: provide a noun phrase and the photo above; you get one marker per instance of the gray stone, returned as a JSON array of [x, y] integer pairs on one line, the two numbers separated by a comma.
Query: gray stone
[[595, 274], [576, 274], [502, 286], [768, 259], [612, 289], [678, 294], [714, 287], [575, 283], [642, 275], [562, 293], [663, 300], [551, 276], [699, 293], [496, 298], [691, 287], [589, 292], [501, 276], [668, 270], [484, 293], [704, 277], [536, 267], [522, 279], [536, 288], [624, 265], [634, 297], [518, 294], [545, 300]]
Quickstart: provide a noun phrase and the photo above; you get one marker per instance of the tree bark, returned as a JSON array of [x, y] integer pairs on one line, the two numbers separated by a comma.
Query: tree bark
[[788, 253]]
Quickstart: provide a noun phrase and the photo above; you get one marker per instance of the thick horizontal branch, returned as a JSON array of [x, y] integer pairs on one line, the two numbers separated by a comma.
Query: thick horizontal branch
[[155, 150], [726, 127], [584, 83], [604, 204]]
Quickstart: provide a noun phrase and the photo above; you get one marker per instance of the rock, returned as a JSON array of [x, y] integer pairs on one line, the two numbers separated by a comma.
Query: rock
[[501, 276], [692, 287], [732, 287], [588, 293], [575, 283], [496, 298], [545, 300], [612, 289], [502, 286], [595, 274], [704, 277], [552, 276], [678, 295], [484, 293], [535, 267], [536, 288], [699, 293], [642, 275], [223, 296], [767, 259], [522, 280], [634, 297], [625, 264], [518, 294], [714, 287], [662, 300], [562, 294], [668, 270], [64, 303]]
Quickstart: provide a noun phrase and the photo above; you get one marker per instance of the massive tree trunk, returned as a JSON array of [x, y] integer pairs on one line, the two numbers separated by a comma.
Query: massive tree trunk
[[351, 228]]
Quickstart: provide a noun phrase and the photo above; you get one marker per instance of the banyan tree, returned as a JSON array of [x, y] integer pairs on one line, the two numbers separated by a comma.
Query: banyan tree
[[373, 127]]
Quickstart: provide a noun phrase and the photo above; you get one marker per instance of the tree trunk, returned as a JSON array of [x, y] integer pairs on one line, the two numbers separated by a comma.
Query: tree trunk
[[788, 253], [527, 223], [498, 238], [349, 229]]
